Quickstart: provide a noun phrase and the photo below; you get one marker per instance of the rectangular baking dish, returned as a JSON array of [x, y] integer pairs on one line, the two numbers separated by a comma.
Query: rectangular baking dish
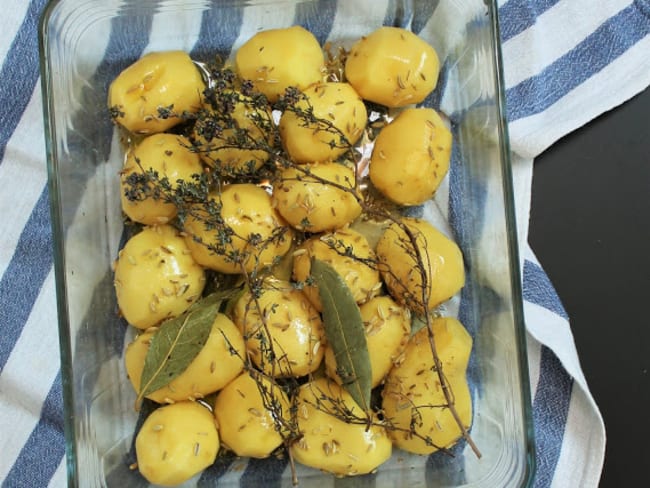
[[85, 44]]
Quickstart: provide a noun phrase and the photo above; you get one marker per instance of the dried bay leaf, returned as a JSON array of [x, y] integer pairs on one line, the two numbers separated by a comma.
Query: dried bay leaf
[[178, 341], [345, 332]]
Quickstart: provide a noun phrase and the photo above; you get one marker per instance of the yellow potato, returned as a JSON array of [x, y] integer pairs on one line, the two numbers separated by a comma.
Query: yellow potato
[[246, 425], [212, 369], [411, 156], [216, 148], [252, 235], [393, 67], [166, 80], [441, 260], [156, 277], [276, 59], [293, 329], [312, 201], [362, 278], [329, 443], [168, 155], [176, 442], [387, 326], [340, 120], [413, 390]]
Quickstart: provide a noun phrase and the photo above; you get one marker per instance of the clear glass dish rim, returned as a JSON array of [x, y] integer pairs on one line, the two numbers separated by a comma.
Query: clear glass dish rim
[[59, 255]]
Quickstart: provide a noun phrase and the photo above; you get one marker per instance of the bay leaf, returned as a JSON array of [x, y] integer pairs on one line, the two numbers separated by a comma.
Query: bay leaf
[[178, 341], [417, 323], [345, 332]]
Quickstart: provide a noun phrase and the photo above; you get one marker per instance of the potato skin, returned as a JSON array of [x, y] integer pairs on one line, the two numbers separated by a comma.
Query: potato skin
[[156, 80], [213, 148], [246, 426], [393, 67], [411, 156], [442, 261], [176, 442], [362, 279], [247, 210], [415, 385], [155, 277], [308, 204], [276, 59], [212, 369], [335, 103], [294, 325], [167, 154], [331, 444], [387, 327]]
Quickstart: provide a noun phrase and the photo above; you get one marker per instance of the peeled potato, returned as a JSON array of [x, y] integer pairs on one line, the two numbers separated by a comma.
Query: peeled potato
[[293, 329], [362, 279], [387, 327], [393, 67], [217, 148], [340, 120], [166, 80], [156, 277], [168, 155], [441, 260], [252, 234], [411, 156], [312, 201], [329, 443], [246, 425], [220, 360], [176, 442], [276, 59], [413, 390]]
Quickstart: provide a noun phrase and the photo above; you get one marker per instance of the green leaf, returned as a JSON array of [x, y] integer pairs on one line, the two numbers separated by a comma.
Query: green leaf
[[345, 332], [417, 323], [178, 341]]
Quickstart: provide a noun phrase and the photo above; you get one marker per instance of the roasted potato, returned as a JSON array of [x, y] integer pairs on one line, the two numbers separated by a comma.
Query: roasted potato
[[413, 389], [176, 442], [156, 277], [393, 67], [387, 326], [170, 156], [288, 324], [324, 124], [150, 95], [237, 143], [411, 156], [247, 424], [318, 197], [348, 252], [403, 264], [241, 231], [220, 360], [276, 59], [328, 442]]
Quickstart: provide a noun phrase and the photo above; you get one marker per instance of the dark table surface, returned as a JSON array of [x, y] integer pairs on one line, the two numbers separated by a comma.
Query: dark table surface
[[590, 229]]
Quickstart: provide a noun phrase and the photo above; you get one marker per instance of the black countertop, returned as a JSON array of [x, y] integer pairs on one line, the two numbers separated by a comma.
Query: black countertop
[[590, 229]]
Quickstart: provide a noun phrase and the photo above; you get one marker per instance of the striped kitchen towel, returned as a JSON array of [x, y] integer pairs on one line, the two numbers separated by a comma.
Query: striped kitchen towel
[[565, 62]]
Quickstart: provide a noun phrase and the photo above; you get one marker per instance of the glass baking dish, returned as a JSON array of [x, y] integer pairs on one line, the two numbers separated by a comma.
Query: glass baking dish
[[85, 44]]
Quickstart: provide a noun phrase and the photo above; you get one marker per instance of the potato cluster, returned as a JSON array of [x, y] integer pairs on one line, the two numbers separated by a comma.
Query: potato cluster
[[218, 188]]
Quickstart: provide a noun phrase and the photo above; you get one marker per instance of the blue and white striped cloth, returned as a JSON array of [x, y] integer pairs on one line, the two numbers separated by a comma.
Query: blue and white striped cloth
[[566, 62]]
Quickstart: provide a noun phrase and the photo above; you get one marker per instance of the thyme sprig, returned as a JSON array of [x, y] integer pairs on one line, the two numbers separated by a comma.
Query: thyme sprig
[[218, 130]]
